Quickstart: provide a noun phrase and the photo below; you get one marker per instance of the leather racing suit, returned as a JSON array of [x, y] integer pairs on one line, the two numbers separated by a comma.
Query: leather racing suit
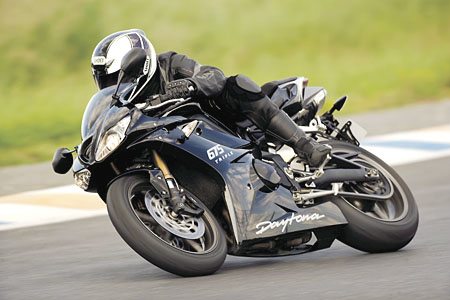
[[237, 95]]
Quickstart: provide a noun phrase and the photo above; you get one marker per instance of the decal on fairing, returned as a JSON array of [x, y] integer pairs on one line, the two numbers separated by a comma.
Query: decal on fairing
[[266, 225], [217, 153]]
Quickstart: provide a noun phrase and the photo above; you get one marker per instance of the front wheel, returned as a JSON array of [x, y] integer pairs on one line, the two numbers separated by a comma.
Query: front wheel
[[183, 245], [376, 226]]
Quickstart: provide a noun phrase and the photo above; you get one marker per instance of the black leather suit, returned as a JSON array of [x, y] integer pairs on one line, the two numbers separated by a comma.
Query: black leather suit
[[237, 97]]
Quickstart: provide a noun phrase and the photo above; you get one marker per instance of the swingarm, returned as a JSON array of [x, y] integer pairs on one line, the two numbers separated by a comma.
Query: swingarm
[[344, 171]]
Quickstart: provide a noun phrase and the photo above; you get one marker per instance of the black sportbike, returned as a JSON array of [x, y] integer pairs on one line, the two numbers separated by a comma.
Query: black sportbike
[[184, 190]]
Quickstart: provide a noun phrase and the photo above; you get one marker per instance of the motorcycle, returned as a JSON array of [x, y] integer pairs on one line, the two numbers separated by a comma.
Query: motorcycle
[[183, 189]]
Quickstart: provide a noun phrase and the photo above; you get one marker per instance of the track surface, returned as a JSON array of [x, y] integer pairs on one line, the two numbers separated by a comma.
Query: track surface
[[87, 259]]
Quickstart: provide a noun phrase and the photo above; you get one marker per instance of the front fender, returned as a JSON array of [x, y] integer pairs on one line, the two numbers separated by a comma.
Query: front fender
[[145, 171]]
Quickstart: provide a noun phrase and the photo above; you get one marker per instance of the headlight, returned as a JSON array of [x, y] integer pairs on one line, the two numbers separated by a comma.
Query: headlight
[[112, 139]]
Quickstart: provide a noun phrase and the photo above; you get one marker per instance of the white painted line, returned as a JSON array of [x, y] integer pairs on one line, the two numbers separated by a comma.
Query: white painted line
[[411, 146], [403, 147], [399, 156], [395, 149], [14, 216], [66, 189]]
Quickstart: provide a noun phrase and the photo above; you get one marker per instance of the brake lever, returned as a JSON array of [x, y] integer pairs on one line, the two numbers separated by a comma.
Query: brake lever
[[156, 101]]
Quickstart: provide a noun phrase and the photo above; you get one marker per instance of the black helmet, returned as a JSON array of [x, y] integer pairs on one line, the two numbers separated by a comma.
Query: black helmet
[[108, 54]]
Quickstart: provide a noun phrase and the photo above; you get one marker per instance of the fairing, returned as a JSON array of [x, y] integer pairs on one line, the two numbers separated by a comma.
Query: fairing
[[255, 213], [250, 206]]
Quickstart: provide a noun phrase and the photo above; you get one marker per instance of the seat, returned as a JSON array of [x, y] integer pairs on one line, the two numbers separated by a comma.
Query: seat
[[270, 87]]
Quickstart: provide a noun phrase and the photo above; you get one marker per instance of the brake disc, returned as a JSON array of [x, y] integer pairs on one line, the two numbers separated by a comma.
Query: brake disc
[[184, 226]]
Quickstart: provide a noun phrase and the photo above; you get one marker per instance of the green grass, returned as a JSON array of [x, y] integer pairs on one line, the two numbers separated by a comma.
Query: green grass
[[380, 53]]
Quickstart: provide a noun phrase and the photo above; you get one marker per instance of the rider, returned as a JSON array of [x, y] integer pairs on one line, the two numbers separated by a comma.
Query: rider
[[178, 76]]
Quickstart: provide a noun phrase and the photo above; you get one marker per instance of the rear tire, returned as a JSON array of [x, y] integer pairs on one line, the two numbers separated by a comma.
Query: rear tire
[[371, 233], [154, 248]]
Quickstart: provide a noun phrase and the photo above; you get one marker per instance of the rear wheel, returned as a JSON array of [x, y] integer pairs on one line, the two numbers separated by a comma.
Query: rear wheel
[[183, 245], [376, 226]]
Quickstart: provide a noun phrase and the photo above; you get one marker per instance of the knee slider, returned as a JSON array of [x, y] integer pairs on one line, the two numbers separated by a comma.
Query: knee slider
[[247, 84], [244, 89]]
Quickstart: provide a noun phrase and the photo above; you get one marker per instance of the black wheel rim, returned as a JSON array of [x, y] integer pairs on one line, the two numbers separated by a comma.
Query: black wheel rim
[[393, 209], [202, 245]]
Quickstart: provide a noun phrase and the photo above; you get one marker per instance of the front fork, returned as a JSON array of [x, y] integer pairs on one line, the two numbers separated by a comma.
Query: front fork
[[177, 196]]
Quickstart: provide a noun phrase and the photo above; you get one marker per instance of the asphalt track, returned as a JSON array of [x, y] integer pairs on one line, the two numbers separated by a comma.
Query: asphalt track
[[87, 259]]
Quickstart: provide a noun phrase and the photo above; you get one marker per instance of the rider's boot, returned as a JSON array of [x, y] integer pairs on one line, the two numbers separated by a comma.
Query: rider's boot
[[283, 128], [244, 95]]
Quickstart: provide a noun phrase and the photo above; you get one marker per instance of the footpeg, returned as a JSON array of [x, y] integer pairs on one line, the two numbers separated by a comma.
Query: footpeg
[[319, 172]]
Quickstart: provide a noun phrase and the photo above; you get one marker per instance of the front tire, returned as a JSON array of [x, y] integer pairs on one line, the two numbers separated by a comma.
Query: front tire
[[160, 247], [376, 226]]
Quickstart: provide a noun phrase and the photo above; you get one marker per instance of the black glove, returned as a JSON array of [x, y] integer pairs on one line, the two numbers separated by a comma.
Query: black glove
[[181, 88]]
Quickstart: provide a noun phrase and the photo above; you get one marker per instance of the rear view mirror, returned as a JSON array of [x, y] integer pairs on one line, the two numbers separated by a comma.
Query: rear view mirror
[[132, 65], [62, 160], [133, 62], [338, 104]]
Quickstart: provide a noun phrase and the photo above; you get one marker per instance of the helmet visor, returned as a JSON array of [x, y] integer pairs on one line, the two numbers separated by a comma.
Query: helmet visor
[[104, 80]]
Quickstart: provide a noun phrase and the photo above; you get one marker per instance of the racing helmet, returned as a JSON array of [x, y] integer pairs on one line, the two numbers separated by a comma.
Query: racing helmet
[[108, 54]]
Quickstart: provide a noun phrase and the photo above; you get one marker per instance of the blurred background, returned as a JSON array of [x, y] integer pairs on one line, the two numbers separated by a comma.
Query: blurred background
[[380, 53]]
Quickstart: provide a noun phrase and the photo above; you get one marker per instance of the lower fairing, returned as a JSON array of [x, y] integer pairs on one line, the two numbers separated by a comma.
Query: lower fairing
[[266, 223], [258, 215]]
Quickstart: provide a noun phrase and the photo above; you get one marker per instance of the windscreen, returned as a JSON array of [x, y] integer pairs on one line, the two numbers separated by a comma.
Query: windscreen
[[96, 106]]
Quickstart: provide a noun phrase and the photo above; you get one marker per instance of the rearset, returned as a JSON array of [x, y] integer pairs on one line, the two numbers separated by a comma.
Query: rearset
[[306, 196]]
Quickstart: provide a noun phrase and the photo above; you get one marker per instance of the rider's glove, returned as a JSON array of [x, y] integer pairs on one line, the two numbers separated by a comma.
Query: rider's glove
[[181, 88]]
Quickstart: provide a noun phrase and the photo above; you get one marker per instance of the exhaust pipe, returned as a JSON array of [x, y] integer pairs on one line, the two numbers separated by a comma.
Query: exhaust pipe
[[341, 175]]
